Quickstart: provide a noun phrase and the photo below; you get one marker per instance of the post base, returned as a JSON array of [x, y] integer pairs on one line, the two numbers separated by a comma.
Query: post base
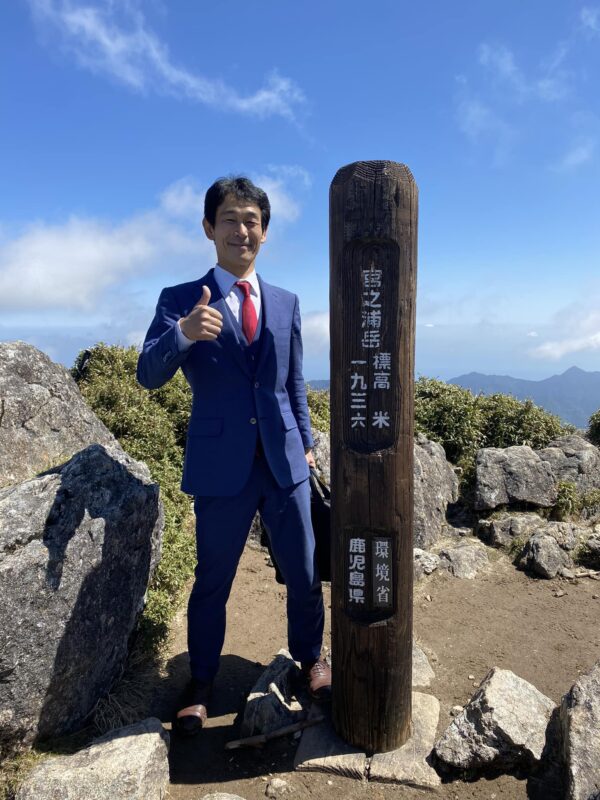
[[322, 750]]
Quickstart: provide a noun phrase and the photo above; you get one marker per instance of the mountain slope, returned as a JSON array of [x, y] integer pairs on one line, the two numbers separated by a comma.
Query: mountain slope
[[574, 395]]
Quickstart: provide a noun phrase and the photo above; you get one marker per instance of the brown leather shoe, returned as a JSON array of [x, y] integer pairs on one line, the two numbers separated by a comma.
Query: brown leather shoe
[[318, 677], [189, 720]]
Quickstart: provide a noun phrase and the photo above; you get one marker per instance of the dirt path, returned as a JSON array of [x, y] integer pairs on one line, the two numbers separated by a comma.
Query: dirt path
[[502, 618]]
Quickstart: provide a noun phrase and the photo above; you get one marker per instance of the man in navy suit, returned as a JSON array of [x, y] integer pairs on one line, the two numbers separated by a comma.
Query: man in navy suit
[[237, 340]]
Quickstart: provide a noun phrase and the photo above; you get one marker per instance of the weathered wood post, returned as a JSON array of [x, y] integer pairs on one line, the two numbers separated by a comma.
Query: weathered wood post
[[373, 246]]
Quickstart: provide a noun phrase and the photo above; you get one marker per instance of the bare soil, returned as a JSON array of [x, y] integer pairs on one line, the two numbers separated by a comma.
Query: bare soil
[[501, 618]]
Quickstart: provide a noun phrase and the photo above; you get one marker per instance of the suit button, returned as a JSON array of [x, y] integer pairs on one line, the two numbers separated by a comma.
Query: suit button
[[256, 385], [252, 421]]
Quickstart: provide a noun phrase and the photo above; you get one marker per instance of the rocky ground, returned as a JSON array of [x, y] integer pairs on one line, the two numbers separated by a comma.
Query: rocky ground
[[500, 618]]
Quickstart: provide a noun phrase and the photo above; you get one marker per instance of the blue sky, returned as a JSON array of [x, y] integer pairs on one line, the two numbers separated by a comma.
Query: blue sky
[[116, 116]]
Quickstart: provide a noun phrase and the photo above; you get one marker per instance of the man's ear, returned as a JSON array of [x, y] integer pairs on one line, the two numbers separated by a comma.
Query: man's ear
[[264, 235], [208, 229]]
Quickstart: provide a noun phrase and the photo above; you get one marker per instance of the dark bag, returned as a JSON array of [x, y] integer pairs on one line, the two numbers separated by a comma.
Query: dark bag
[[320, 512]]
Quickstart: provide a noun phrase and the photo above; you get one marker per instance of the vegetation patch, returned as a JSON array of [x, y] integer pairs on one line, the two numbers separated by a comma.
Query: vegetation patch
[[151, 427]]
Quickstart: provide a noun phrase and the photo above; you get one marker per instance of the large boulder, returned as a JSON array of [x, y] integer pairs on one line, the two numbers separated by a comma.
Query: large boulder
[[510, 475], [424, 563], [465, 560], [43, 418], [130, 763], [322, 454], [504, 529], [77, 548], [503, 727], [580, 723], [574, 459], [543, 556], [435, 486]]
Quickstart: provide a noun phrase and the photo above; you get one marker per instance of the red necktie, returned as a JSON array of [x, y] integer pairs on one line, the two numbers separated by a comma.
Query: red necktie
[[249, 320]]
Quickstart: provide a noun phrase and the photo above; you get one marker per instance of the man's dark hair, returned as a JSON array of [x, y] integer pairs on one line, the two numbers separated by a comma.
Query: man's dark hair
[[243, 189]]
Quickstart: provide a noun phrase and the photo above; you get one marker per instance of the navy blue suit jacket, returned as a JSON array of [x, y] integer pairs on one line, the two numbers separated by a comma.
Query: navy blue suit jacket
[[235, 400]]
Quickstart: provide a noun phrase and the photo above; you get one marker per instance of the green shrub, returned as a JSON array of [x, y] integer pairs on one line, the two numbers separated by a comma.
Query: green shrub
[[508, 421], [449, 415], [463, 422], [150, 426], [594, 428], [567, 502], [589, 503], [318, 406]]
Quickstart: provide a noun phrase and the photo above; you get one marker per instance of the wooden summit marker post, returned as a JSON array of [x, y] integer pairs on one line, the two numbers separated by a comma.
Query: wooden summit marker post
[[373, 236]]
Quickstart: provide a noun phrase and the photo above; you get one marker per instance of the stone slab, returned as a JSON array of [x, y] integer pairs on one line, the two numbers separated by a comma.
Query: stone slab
[[422, 674], [322, 750], [409, 764]]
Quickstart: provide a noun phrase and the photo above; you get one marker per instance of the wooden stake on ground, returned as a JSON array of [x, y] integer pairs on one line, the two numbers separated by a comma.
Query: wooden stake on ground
[[373, 235]]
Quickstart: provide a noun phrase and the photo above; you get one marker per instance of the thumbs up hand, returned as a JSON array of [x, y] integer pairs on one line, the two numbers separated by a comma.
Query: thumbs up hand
[[203, 323]]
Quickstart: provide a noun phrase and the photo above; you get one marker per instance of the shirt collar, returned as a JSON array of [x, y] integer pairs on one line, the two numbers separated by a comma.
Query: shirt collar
[[226, 281]]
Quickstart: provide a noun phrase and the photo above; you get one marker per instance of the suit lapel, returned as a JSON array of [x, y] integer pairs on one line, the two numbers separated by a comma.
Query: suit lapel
[[268, 299]]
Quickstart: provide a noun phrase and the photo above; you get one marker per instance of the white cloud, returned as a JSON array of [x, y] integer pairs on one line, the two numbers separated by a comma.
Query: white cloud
[[558, 349], [276, 181], [501, 61], [551, 83], [580, 153], [182, 199], [590, 18], [482, 125], [71, 265], [76, 264], [315, 333], [579, 328], [113, 39], [532, 334]]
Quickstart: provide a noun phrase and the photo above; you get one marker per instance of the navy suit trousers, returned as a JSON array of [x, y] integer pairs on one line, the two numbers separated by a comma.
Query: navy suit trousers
[[222, 525]]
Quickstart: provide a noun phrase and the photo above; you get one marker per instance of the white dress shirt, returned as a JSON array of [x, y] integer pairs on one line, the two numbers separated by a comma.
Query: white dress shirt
[[233, 297]]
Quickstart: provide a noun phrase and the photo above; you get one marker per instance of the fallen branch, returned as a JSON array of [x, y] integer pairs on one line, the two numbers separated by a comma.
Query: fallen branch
[[262, 738]]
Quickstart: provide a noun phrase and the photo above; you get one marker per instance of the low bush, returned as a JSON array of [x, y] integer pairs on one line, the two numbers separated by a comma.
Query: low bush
[[318, 406], [463, 422], [594, 428], [150, 426]]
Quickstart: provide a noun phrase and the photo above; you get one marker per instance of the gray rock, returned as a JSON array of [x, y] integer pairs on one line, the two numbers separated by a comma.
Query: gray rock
[[580, 723], [411, 764], [424, 563], [513, 475], [77, 548], [422, 674], [566, 534], [543, 556], [276, 787], [221, 796], [130, 764], [272, 704], [593, 545], [43, 418], [504, 528], [502, 727], [574, 459], [435, 485], [463, 561], [322, 454]]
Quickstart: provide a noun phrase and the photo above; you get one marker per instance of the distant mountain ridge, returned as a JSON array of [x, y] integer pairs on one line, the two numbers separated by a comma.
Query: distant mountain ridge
[[573, 396]]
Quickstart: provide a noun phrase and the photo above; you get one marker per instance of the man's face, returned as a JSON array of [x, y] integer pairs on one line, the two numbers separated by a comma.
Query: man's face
[[237, 234]]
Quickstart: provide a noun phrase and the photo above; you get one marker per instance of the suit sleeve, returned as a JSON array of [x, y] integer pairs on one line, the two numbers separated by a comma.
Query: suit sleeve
[[161, 357], [295, 385]]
